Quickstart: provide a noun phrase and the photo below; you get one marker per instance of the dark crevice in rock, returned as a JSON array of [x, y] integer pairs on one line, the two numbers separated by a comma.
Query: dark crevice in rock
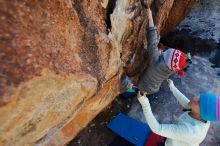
[[109, 10], [91, 59], [79, 9], [184, 40]]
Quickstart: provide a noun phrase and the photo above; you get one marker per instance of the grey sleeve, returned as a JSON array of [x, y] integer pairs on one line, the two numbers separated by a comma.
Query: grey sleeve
[[153, 41]]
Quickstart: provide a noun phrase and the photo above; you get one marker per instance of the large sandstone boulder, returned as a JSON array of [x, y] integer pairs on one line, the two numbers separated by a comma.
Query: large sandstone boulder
[[61, 61]]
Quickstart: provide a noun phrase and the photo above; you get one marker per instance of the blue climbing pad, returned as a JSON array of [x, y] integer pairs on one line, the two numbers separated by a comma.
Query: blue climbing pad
[[130, 129]]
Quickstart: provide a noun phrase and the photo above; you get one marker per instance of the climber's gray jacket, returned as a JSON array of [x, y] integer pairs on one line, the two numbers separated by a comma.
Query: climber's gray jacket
[[157, 71]]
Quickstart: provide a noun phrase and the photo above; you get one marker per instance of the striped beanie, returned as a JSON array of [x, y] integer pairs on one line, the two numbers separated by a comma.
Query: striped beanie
[[209, 107], [175, 60]]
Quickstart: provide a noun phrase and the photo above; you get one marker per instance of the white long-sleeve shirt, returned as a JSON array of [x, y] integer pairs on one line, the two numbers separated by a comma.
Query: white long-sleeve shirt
[[186, 132]]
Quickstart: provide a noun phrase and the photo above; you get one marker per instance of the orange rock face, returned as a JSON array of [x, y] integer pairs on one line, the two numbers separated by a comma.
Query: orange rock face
[[61, 61]]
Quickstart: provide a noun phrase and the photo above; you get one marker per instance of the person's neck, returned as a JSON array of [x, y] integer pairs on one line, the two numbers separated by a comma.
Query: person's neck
[[196, 116]]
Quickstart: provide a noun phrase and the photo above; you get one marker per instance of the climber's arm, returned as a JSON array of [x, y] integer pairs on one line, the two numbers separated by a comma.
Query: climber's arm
[[150, 18], [152, 38]]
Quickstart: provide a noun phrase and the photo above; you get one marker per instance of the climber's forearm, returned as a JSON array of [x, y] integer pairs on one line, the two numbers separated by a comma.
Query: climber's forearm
[[150, 18], [152, 41]]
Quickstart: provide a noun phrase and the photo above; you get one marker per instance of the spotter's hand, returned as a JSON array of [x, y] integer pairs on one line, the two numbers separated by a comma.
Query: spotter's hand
[[143, 100], [170, 82], [139, 94]]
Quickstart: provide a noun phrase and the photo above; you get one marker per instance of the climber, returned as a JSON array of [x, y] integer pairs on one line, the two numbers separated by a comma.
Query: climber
[[193, 124], [162, 64]]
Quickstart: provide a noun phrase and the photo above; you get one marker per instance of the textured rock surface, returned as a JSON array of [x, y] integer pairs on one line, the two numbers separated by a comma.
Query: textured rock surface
[[60, 66], [202, 21], [200, 30]]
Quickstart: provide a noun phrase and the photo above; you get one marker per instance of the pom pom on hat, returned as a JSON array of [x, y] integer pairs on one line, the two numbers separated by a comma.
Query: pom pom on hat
[[181, 73]]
